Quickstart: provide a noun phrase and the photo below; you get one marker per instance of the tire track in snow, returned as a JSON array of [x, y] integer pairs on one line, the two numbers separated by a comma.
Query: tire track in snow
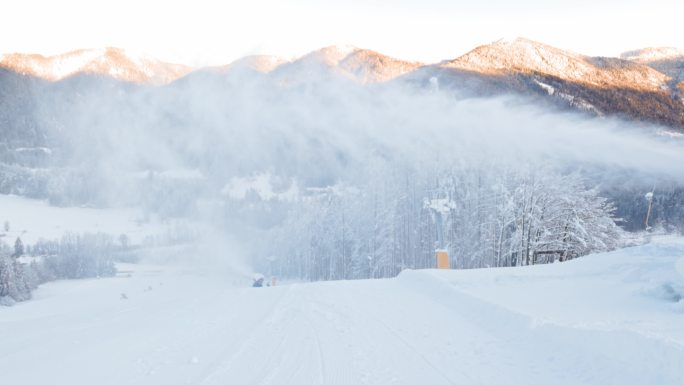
[[319, 351], [374, 311], [225, 361], [279, 367]]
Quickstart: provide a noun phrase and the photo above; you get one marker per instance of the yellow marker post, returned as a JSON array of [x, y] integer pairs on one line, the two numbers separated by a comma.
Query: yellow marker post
[[443, 259]]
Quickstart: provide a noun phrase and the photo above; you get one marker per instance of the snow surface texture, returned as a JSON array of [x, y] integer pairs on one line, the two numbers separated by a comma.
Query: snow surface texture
[[615, 318]]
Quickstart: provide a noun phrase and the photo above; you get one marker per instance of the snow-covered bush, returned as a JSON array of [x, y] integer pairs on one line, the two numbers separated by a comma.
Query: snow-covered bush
[[13, 280]]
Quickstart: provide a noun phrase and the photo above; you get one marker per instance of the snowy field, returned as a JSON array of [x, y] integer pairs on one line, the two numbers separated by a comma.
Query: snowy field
[[615, 318], [32, 219]]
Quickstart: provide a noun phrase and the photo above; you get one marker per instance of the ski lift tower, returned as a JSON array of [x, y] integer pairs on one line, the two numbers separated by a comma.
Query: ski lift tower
[[440, 210], [649, 198]]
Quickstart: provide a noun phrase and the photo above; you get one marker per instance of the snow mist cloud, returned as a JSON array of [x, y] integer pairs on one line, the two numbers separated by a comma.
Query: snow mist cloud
[[183, 150]]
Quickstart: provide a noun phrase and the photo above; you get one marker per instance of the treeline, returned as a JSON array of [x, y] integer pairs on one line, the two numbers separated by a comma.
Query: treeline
[[485, 216], [24, 267]]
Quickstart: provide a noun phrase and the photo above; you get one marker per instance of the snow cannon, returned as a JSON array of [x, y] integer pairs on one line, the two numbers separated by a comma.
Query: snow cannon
[[258, 280]]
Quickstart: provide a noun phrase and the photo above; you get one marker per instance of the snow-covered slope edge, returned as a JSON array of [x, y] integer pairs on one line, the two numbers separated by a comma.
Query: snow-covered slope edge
[[635, 290]]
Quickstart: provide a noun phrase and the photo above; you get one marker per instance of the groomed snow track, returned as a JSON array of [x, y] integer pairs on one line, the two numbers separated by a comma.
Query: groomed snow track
[[541, 325]]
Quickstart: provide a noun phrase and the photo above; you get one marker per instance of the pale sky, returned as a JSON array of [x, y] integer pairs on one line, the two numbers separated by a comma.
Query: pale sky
[[201, 32]]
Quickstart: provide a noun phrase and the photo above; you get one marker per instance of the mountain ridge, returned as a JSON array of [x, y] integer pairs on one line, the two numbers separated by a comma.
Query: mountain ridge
[[116, 63], [642, 69], [527, 56], [643, 85]]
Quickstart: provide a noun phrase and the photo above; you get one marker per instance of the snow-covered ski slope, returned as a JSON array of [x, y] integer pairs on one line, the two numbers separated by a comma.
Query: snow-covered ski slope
[[615, 318]]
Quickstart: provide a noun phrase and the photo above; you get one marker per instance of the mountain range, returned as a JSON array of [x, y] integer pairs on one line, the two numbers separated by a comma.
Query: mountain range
[[113, 62], [111, 127], [643, 85]]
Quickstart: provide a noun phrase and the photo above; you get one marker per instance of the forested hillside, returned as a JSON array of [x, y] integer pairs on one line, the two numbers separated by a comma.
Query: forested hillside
[[325, 177]]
